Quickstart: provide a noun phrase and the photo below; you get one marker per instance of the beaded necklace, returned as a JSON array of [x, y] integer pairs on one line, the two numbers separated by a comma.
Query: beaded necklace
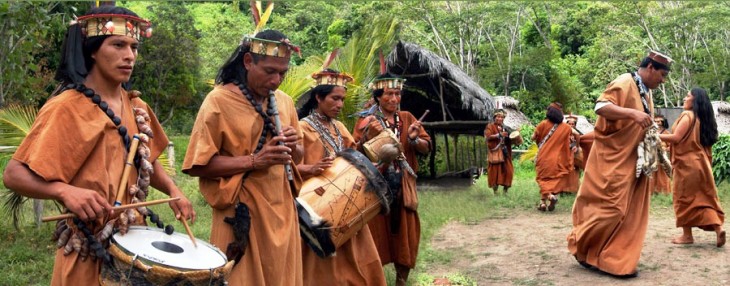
[[268, 124], [315, 120], [384, 121], [96, 99]]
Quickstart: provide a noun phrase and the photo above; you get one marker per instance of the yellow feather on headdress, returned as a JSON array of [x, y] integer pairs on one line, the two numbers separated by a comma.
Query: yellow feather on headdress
[[264, 17]]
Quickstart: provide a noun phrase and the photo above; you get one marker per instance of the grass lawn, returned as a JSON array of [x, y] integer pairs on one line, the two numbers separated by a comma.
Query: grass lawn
[[26, 255]]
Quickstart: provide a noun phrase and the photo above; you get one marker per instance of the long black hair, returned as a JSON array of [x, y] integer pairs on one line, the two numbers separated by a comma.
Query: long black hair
[[233, 69], [702, 108], [554, 115], [76, 61], [320, 91]]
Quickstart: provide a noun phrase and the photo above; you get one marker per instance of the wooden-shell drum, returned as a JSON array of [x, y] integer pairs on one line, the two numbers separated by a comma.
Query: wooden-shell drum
[[372, 147], [336, 204], [162, 259], [515, 137]]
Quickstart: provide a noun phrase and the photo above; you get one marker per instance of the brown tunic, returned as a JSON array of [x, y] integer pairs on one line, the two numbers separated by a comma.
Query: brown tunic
[[228, 125], [356, 261], [554, 159], [402, 247], [73, 141], [499, 174], [660, 183], [695, 196], [611, 209]]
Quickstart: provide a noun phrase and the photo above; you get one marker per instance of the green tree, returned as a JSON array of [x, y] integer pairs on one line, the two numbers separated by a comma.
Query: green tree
[[168, 63]]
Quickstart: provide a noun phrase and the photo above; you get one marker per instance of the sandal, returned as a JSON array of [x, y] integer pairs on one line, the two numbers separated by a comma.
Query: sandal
[[553, 202], [542, 207]]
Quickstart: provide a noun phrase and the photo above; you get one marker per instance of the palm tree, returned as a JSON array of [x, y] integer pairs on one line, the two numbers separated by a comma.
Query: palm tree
[[15, 122], [358, 58]]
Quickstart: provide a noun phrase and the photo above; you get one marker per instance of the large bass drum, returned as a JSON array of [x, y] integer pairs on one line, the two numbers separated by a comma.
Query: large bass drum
[[336, 204], [149, 256]]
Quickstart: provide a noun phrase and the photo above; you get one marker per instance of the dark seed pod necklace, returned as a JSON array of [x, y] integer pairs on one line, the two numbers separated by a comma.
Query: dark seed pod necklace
[[268, 123], [96, 99]]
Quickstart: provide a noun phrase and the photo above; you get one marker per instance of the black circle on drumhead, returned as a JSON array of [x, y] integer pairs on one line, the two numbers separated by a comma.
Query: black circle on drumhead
[[167, 247]]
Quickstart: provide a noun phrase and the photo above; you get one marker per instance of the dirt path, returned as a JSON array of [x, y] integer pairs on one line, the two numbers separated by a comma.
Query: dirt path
[[529, 248]]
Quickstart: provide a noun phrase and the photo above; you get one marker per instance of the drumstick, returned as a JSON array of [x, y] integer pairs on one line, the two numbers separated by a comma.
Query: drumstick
[[187, 229], [127, 168], [117, 208], [424, 115]]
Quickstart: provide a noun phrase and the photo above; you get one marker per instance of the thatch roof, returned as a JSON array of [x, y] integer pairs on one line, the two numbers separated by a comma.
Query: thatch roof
[[511, 106], [426, 75], [722, 116]]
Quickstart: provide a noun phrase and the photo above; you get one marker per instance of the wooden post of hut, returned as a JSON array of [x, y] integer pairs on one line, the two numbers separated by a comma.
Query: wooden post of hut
[[448, 152], [432, 155]]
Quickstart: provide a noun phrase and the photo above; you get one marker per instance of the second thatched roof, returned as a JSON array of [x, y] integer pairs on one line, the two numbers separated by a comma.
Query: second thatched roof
[[428, 76]]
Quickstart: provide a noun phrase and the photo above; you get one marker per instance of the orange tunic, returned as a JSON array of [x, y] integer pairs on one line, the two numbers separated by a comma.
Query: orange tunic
[[695, 196], [401, 247], [73, 141], [499, 174], [611, 209], [574, 176], [660, 183], [554, 159], [228, 125], [356, 261]]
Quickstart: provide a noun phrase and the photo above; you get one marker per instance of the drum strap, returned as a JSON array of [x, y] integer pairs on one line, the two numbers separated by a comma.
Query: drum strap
[[315, 120]]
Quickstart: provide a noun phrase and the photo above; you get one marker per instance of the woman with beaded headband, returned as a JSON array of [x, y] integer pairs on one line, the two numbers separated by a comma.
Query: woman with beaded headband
[[356, 261], [497, 138], [660, 183], [398, 233], [554, 156], [241, 160], [76, 149]]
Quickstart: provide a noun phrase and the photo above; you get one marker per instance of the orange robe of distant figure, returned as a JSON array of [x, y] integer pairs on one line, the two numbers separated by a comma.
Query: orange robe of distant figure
[[228, 125], [73, 141], [695, 196], [356, 262], [660, 182], [575, 170], [554, 158], [499, 174], [611, 209], [402, 247]]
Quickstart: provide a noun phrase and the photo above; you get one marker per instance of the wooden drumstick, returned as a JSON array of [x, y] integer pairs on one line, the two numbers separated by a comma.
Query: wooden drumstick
[[127, 168], [424, 115], [117, 208], [187, 229]]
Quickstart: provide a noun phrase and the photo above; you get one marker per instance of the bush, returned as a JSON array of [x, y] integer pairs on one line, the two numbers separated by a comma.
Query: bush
[[720, 157]]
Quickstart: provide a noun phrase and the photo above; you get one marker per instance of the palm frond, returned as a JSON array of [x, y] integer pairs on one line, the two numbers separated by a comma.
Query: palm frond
[[15, 122], [530, 154], [13, 205], [298, 79]]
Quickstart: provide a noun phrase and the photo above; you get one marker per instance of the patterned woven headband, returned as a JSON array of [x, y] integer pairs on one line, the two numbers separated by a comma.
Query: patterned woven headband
[[391, 83], [331, 78], [114, 24], [280, 49]]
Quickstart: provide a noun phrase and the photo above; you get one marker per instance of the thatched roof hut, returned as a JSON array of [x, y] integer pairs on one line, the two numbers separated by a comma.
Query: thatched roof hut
[[515, 118], [722, 116], [438, 85]]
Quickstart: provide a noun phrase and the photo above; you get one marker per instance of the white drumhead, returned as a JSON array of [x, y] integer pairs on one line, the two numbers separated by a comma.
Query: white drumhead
[[514, 134], [175, 250]]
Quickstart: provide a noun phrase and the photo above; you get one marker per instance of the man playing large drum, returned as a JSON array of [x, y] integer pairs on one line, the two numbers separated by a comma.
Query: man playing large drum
[[397, 234], [357, 261], [75, 152]]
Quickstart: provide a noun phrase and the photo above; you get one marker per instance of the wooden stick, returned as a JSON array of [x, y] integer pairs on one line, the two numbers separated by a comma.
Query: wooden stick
[[424, 115], [127, 168], [117, 208], [187, 229]]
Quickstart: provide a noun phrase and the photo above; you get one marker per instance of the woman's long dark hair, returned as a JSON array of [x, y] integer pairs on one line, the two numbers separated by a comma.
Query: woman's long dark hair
[[320, 91], [554, 114], [702, 108], [76, 61], [233, 69]]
